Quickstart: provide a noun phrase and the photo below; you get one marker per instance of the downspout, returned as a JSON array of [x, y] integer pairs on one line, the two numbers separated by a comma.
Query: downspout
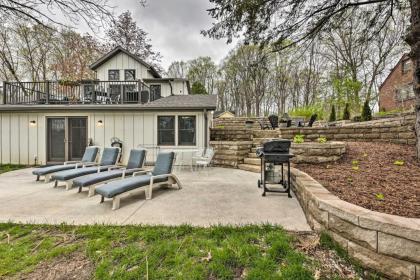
[[205, 129], [172, 91]]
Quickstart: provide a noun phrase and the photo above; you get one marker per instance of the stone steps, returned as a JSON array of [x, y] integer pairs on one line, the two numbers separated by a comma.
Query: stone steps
[[252, 161], [249, 167], [252, 155]]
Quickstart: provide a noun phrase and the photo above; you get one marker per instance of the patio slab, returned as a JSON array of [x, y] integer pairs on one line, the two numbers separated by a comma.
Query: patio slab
[[217, 196]]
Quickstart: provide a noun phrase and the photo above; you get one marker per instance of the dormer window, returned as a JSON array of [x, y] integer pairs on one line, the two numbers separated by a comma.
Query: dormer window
[[406, 66], [113, 75], [129, 74]]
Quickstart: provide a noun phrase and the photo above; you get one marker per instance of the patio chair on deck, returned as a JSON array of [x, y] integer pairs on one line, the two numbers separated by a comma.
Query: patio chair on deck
[[160, 175], [263, 125], [135, 163], [109, 160], [88, 157]]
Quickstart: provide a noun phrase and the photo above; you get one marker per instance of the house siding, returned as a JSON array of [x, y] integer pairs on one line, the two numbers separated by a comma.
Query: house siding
[[20, 142], [387, 92], [122, 61]]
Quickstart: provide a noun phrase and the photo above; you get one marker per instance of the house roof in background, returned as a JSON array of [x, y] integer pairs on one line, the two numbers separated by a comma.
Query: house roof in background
[[116, 51], [193, 101], [403, 57], [167, 80], [170, 103], [218, 113]]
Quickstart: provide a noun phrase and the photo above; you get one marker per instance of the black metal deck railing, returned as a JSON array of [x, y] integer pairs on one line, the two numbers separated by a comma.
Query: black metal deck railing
[[70, 92]]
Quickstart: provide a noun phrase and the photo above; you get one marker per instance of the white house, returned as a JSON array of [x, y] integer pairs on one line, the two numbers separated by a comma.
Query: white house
[[51, 122]]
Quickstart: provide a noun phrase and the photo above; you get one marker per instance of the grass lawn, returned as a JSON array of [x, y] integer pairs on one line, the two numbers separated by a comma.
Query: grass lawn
[[135, 252], [10, 167]]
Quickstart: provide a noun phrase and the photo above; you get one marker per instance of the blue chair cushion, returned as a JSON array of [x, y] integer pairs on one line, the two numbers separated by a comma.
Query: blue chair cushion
[[90, 154], [92, 179], [74, 173], [163, 163], [52, 169], [109, 156], [121, 186], [136, 158]]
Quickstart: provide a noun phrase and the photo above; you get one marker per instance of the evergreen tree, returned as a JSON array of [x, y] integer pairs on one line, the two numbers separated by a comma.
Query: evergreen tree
[[125, 33], [198, 88], [346, 113], [333, 118], [366, 112]]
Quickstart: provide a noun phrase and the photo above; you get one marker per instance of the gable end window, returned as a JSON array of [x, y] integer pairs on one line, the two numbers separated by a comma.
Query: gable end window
[[129, 74], [186, 131], [113, 75], [166, 130], [406, 66]]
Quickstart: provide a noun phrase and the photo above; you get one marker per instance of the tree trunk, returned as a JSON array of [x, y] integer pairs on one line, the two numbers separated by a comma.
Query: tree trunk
[[413, 39]]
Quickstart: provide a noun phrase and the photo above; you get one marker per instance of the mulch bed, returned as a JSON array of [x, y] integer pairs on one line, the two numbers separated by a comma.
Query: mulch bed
[[378, 176]]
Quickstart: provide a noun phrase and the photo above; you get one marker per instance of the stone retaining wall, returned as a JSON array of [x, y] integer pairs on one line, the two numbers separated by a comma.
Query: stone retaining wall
[[239, 122], [401, 132], [224, 134], [230, 153], [386, 243], [313, 152]]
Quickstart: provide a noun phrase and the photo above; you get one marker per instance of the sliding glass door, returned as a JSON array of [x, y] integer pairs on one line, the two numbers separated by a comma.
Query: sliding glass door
[[66, 138]]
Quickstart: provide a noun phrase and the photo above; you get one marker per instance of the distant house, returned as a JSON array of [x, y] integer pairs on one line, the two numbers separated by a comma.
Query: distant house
[[223, 114], [396, 92], [53, 121]]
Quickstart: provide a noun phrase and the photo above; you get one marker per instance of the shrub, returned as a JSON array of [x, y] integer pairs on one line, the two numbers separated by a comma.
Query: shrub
[[346, 113], [366, 111], [333, 117], [308, 111], [298, 139], [322, 140]]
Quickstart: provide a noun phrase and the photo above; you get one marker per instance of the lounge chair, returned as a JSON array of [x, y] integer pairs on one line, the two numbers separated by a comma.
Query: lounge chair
[[160, 175], [135, 163], [109, 160], [89, 156], [263, 125]]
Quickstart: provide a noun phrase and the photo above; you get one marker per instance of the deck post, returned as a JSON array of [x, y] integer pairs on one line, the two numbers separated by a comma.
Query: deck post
[[47, 99], [4, 92], [139, 90]]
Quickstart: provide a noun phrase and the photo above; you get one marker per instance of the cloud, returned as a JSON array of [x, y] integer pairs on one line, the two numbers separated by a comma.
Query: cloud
[[174, 27]]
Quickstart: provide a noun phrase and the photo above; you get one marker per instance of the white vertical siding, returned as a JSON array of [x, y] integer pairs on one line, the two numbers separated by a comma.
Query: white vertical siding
[[121, 61], [20, 142]]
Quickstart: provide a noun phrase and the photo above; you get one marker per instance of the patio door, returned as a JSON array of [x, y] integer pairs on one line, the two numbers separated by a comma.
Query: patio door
[[66, 138]]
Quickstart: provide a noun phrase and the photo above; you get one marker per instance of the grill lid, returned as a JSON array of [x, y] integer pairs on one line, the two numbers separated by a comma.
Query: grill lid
[[277, 146]]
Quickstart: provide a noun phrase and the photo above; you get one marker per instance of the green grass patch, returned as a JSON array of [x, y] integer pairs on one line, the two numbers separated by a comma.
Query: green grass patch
[[10, 167], [183, 252]]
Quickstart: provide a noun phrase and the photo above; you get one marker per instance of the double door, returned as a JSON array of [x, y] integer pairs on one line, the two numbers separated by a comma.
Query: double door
[[67, 138]]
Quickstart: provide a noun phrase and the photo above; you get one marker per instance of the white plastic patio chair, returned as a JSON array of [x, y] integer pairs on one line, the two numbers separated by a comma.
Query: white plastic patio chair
[[205, 160]]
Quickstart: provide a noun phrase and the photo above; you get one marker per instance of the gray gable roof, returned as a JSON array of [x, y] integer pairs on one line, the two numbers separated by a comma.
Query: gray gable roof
[[117, 50], [194, 101]]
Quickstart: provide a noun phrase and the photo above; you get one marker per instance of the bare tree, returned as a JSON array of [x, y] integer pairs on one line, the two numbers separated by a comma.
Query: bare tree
[[274, 21], [94, 13]]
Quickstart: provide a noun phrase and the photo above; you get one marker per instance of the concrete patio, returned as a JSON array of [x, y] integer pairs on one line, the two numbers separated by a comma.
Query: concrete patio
[[219, 196]]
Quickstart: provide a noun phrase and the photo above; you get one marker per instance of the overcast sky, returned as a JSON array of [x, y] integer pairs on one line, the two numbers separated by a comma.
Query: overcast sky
[[174, 27]]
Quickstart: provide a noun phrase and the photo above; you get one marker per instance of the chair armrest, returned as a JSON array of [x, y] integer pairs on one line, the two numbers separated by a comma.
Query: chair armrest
[[163, 176], [110, 167], [142, 172], [87, 164], [71, 162]]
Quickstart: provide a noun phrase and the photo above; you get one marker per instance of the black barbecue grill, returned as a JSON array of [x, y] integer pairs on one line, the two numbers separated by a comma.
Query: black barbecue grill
[[273, 155]]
